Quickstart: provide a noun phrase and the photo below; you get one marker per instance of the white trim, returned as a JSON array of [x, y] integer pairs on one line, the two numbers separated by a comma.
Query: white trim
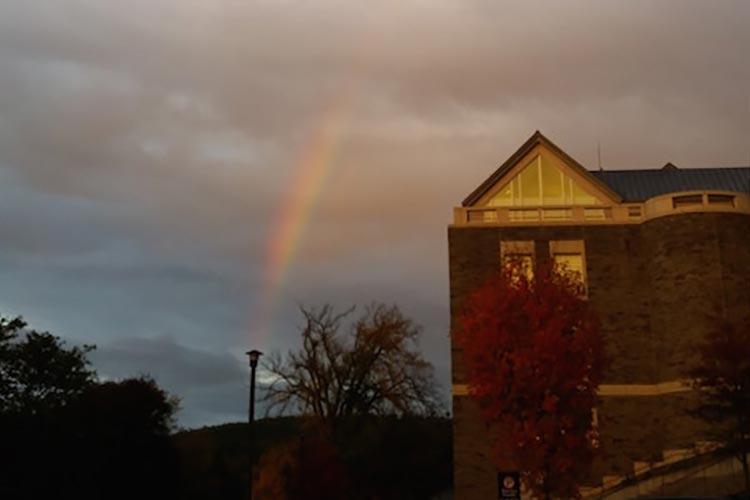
[[618, 390], [671, 387]]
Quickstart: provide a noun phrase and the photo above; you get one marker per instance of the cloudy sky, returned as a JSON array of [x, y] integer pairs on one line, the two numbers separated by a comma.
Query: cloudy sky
[[150, 151]]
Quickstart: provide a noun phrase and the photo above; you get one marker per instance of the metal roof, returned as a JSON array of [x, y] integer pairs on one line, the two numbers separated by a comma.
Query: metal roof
[[640, 185]]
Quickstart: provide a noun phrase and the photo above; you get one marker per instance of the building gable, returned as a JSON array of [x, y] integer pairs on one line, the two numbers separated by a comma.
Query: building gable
[[540, 173]]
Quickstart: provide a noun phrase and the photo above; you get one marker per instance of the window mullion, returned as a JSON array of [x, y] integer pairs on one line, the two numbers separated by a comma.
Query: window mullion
[[539, 175]]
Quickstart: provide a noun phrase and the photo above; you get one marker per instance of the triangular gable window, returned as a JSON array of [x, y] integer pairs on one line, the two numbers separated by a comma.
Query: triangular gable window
[[541, 183]]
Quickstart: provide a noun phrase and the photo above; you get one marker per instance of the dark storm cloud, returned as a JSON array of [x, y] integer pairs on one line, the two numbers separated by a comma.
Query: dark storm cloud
[[146, 146]]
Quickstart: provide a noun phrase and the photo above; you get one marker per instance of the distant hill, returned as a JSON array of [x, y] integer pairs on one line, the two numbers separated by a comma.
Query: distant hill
[[388, 457]]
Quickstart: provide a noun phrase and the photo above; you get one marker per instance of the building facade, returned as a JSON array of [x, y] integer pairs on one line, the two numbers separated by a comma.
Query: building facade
[[662, 253]]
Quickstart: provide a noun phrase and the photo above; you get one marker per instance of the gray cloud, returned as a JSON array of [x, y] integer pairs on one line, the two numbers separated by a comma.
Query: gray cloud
[[146, 147], [210, 385]]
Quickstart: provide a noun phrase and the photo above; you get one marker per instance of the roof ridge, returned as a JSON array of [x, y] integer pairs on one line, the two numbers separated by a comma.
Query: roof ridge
[[676, 171]]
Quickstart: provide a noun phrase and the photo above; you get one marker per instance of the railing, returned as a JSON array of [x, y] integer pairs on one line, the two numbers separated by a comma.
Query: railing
[[551, 214], [627, 213]]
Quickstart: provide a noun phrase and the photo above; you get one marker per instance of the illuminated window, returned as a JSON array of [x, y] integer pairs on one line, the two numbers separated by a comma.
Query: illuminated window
[[524, 262], [518, 253], [504, 198], [542, 183], [569, 256], [531, 184], [570, 263], [553, 183]]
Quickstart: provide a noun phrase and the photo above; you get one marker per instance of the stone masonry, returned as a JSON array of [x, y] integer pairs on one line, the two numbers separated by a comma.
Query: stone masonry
[[657, 286]]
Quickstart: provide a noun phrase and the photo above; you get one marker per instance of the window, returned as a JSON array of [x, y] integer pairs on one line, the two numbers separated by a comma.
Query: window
[[690, 200], [569, 256], [541, 183], [570, 263], [521, 252], [726, 200]]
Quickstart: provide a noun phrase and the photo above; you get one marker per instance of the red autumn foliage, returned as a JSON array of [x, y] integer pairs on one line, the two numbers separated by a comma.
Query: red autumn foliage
[[309, 467], [534, 358]]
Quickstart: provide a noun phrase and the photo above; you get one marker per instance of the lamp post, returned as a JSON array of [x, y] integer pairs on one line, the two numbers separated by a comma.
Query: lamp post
[[253, 357]]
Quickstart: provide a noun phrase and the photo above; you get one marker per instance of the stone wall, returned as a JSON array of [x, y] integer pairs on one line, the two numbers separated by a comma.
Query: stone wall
[[657, 288]]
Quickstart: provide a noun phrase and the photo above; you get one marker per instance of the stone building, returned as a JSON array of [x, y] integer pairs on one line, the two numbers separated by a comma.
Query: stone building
[[661, 251]]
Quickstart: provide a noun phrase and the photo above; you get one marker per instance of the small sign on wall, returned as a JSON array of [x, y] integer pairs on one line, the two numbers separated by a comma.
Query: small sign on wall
[[508, 485]]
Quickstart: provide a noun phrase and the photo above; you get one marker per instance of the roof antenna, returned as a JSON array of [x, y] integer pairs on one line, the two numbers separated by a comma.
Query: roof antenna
[[599, 155]]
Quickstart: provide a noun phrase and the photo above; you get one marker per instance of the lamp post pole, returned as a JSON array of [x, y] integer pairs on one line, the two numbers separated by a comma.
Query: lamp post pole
[[253, 357]]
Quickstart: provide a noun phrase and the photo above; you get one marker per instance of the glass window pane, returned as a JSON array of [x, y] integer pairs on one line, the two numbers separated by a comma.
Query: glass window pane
[[552, 183], [581, 197], [504, 198], [524, 262], [541, 183], [516, 191], [570, 263], [721, 199], [530, 184], [687, 201]]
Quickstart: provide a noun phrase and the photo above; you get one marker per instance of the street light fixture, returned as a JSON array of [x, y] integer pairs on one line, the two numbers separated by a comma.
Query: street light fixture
[[253, 358]]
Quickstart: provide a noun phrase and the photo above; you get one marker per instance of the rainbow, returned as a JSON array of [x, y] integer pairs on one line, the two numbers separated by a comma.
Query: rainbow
[[315, 165]]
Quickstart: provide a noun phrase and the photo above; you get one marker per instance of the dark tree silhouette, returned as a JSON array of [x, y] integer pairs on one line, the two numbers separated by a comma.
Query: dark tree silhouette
[[137, 406], [398, 458], [64, 435], [373, 369], [722, 375], [534, 359], [120, 432], [38, 373]]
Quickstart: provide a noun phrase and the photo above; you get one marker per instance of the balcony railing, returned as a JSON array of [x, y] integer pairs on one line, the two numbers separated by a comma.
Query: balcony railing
[[669, 204], [562, 213]]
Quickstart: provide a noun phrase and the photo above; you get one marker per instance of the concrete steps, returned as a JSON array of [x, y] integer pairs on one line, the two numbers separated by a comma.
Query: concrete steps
[[642, 469]]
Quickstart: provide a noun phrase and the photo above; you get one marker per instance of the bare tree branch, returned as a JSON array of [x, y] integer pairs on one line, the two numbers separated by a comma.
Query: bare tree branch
[[374, 368]]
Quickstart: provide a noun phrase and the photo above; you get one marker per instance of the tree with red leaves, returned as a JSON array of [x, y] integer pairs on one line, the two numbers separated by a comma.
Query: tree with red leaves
[[534, 358], [309, 467]]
